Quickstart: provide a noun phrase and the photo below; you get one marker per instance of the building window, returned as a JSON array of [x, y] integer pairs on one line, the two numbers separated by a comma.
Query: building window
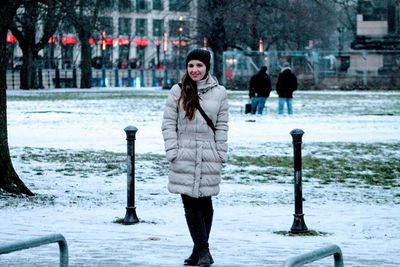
[[106, 5], [141, 27], [375, 10], [158, 5], [158, 27], [179, 5], [124, 6], [124, 26], [174, 26], [106, 25], [141, 5]]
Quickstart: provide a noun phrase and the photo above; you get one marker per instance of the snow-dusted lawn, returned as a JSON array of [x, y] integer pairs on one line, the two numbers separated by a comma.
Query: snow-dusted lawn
[[69, 147]]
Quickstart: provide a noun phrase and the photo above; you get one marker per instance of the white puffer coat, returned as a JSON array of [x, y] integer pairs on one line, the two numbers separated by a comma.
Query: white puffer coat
[[195, 153]]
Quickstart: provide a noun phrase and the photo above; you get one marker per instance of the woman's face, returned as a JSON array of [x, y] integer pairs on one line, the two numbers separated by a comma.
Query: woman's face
[[196, 69]]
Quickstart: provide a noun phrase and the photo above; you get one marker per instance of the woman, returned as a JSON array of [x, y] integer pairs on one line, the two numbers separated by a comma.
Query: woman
[[194, 149]]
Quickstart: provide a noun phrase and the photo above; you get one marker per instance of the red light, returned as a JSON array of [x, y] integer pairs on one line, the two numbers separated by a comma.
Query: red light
[[142, 42], [69, 40], [123, 40], [11, 38]]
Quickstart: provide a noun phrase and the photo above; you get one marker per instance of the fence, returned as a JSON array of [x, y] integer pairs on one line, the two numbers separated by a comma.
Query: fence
[[100, 78], [315, 69]]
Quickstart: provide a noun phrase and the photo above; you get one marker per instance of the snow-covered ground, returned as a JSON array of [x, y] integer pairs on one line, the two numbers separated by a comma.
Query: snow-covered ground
[[84, 203]]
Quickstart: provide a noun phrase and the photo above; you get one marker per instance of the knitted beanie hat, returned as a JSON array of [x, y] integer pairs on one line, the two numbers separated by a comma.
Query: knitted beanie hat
[[201, 55]]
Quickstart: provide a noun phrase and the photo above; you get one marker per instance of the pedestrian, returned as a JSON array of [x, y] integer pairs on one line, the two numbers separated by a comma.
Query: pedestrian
[[195, 131], [259, 90], [286, 85]]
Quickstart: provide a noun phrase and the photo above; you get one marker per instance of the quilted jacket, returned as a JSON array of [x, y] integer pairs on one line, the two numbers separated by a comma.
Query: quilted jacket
[[194, 152]]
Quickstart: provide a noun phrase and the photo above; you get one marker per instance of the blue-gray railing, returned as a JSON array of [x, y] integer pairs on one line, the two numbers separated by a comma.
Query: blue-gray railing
[[317, 255], [36, 242]]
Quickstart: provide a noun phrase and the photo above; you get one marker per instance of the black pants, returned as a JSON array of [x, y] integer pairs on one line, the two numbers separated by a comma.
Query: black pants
[[193, 205]]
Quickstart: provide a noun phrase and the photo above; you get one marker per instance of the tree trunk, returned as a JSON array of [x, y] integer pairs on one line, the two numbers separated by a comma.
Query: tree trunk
[[28, 70], [9, 180], [86, 62]]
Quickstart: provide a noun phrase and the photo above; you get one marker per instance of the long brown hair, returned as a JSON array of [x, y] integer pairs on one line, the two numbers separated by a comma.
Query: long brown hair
[[189, 96]]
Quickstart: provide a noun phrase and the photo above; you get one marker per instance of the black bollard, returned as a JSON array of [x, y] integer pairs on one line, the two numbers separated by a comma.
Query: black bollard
[[130, 216], [74, 80], [130, 83], [116, 77], [141, 78], [40, 78], [103, 77], [299, 226], [12, 77], [57, 79]]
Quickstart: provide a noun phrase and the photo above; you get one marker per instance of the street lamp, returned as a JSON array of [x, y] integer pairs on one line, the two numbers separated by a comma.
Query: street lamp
[[205, 43], [103, 59], [165, 49], [157, 42], [260, 46], [340, 30], [180, 31]]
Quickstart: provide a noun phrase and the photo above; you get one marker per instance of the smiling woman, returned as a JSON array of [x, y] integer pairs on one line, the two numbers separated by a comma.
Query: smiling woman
[[195, 130]]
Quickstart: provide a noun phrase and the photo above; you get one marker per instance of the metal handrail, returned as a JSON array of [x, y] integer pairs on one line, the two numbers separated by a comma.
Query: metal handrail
[[316, 255], [36, 242]]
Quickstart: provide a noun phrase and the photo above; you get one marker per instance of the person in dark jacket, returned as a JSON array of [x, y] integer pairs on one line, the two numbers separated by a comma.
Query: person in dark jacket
[[286, 85], [259, 90]]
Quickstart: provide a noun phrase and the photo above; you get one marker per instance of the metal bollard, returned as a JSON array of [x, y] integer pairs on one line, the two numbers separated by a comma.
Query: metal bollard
[[130, 216], [141, 78], [103, 76], [299, 226], [116, 77], [13, 79], [129, 78], [40, 78], [74, 82], [57, 81]]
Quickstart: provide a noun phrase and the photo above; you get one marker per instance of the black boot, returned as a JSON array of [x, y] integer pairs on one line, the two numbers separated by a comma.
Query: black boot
[[193, 258], [208, 219], [198, 232]]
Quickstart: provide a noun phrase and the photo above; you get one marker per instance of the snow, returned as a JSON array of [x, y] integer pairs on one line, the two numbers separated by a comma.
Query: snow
[[362, 221]]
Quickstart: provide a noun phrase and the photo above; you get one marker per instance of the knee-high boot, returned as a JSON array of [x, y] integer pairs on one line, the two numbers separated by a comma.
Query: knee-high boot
[[208, 219], [194, 257], [198, 232]]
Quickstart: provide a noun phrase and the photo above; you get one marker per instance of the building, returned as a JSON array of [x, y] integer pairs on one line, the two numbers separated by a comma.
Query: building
[[378, 35], [135, 33]]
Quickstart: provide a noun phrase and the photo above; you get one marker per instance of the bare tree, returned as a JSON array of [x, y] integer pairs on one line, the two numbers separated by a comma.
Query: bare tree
[[83, 14], [285, 24], [9, 180], [34, 18]]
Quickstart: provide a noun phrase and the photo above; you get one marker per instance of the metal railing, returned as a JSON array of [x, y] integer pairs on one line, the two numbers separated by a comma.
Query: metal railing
[[36, 242], [317, 255]]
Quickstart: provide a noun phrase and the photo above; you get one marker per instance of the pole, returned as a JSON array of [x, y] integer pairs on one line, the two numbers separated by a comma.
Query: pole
[[58, 85], [116, 77], [130, 216], [299, 226], [74, 81], [40, 78]]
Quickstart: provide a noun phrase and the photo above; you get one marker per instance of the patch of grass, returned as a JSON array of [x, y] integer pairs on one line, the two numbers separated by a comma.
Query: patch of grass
[[354, 165], [307, 233], [351, 164]]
